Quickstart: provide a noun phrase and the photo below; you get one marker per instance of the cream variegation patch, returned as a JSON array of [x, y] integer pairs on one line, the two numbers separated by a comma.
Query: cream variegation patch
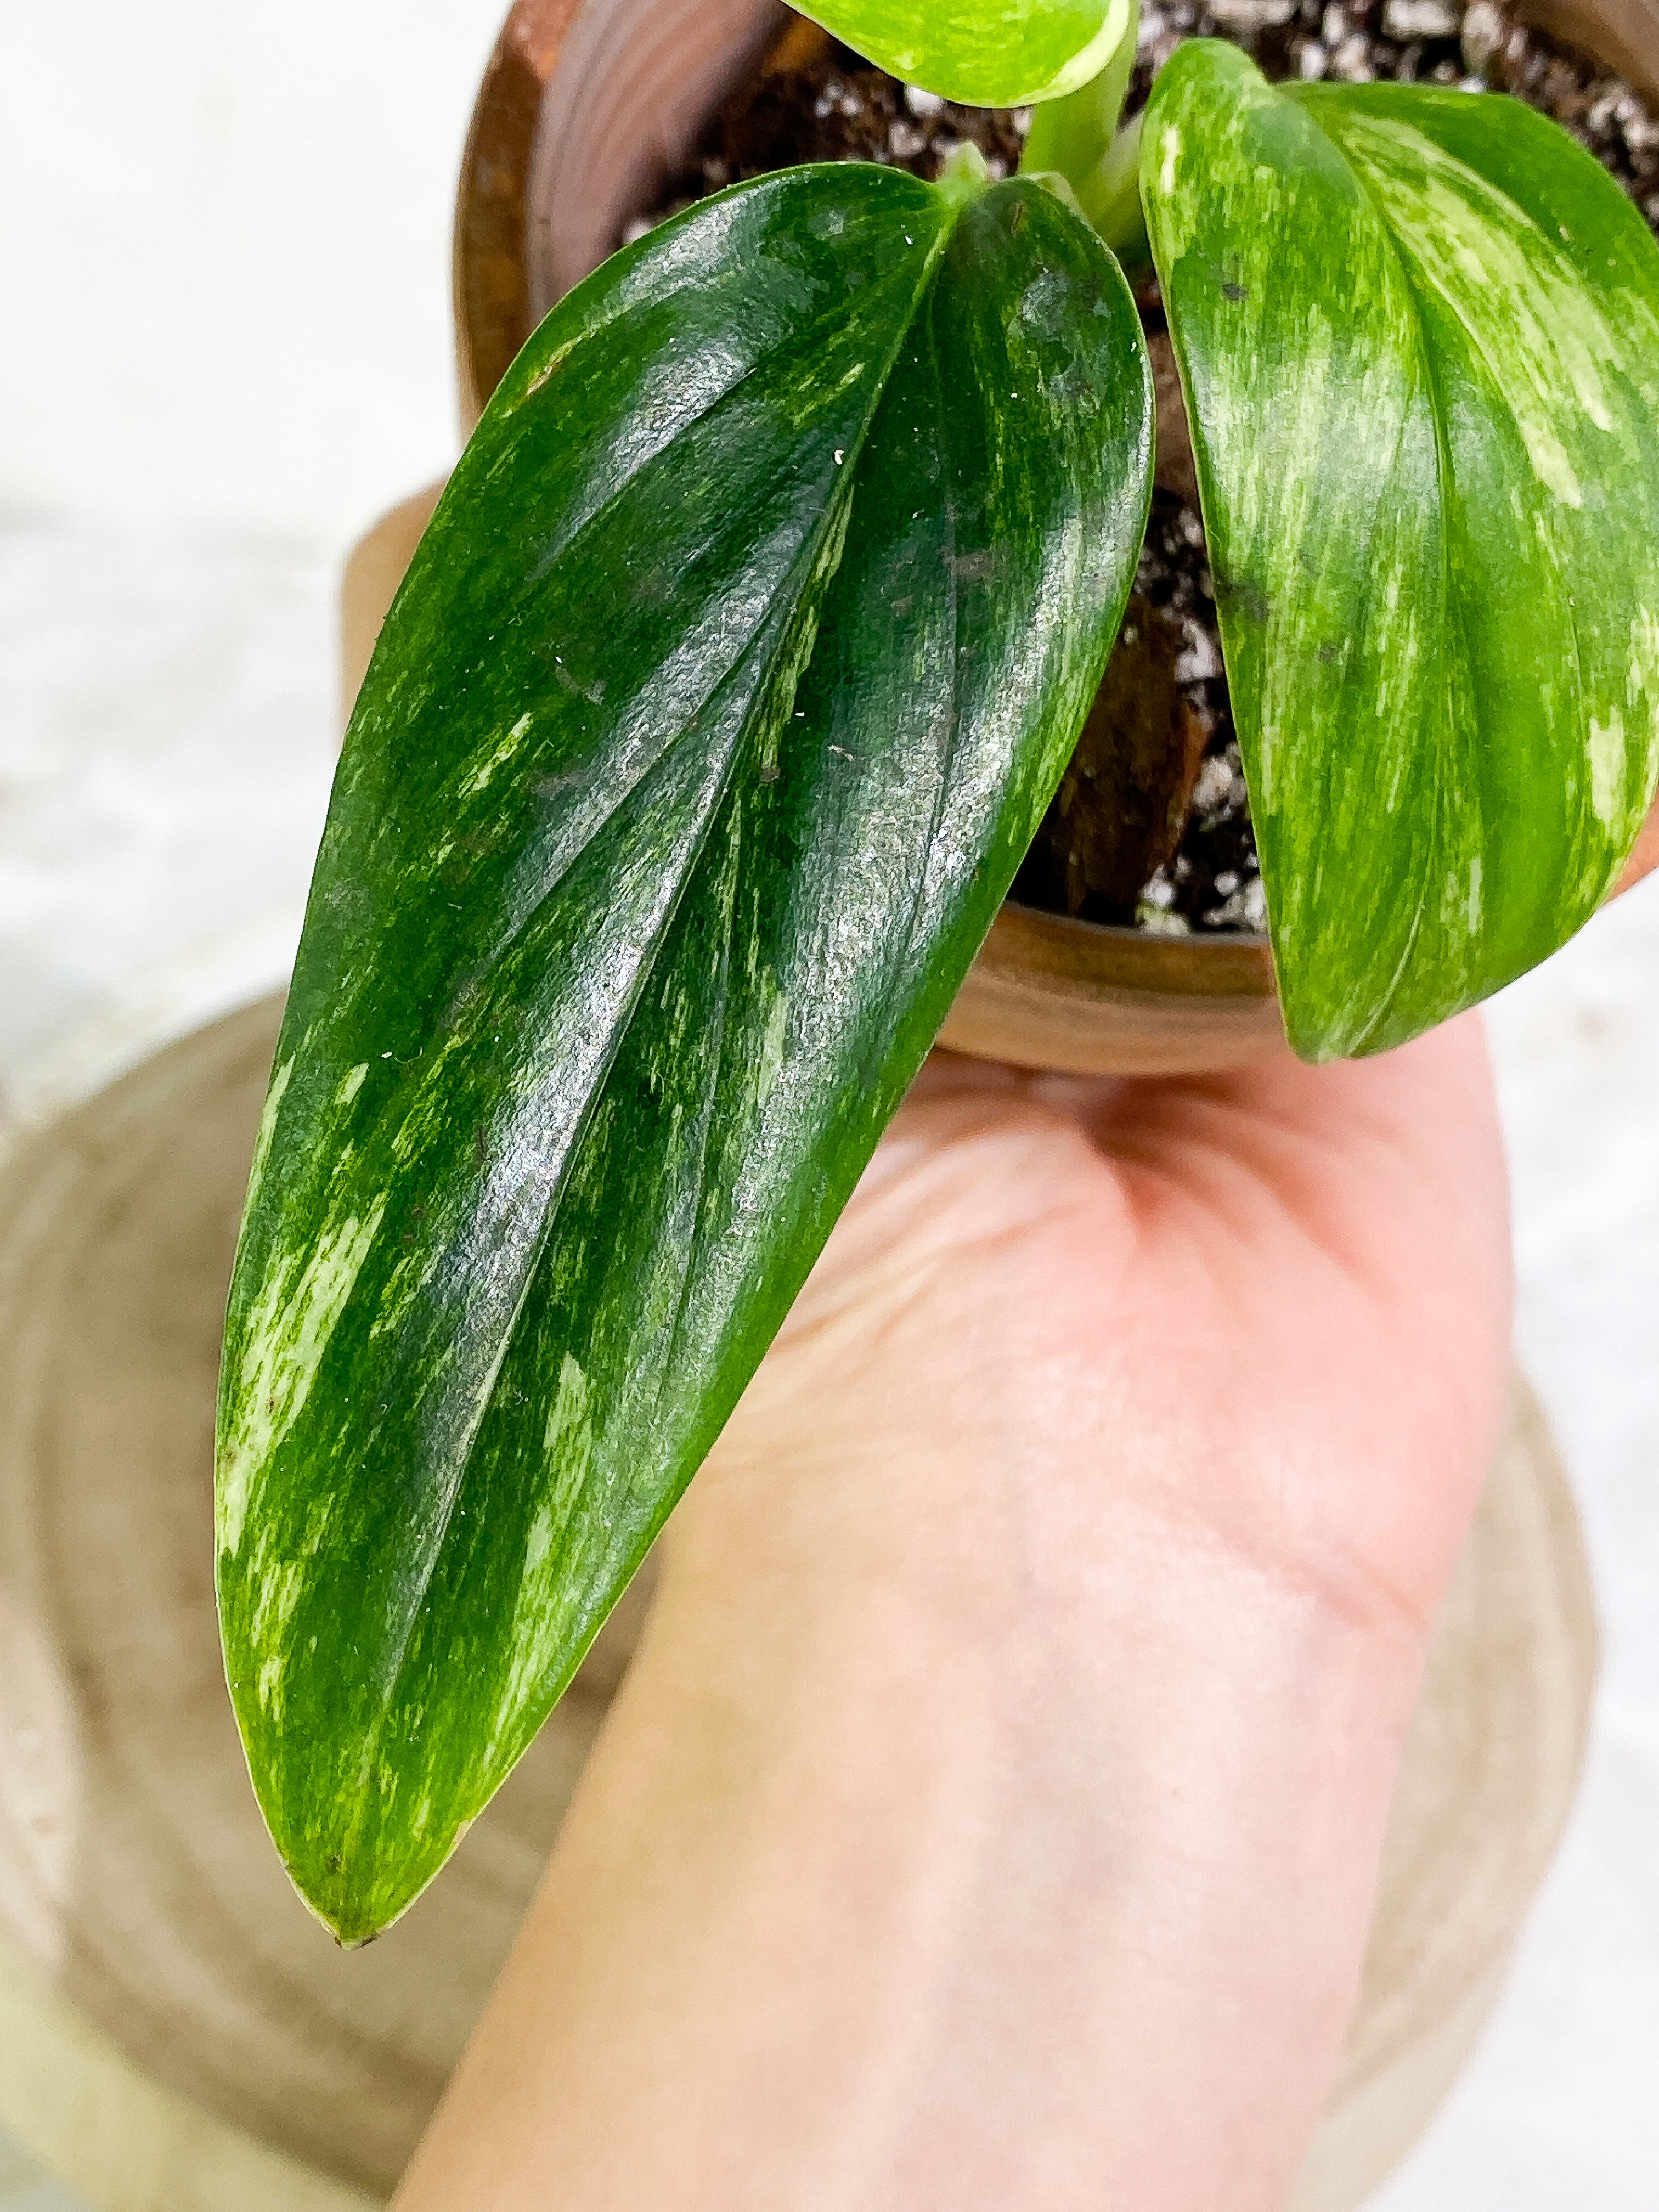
[[1525, 311], [1607, 769], [568, 1446], [273, 1107], [1086, 65], [1642, 688], [283, 1339]]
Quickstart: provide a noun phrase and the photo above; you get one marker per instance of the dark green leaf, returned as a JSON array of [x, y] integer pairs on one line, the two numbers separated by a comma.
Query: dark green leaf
[[730, 682], [985, 53], [1420, 335]]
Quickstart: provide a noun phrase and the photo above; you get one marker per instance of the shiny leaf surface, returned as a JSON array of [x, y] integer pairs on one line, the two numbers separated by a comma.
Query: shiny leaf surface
[[730, 682], [1419, 332], [984, 53]]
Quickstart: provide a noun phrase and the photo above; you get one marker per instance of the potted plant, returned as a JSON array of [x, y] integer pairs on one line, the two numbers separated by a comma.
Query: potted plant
[[730, 682]]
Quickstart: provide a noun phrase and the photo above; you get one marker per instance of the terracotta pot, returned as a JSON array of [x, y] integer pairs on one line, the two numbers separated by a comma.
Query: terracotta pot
[[584, 111]]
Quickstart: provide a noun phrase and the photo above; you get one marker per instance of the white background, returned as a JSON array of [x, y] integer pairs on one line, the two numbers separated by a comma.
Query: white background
[[224, 264], [224, 254]]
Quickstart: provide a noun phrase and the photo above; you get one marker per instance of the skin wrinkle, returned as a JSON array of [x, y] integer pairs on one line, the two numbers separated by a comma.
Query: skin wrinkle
[[1170, 1170], [1275, 1143], [1346, 1588], [916, 1190]]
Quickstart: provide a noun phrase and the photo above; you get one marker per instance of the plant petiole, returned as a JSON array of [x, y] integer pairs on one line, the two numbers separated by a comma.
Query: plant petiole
[[1110, 198]]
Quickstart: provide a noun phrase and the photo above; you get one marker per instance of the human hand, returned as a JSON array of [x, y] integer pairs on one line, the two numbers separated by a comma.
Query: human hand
[[993, 1812]]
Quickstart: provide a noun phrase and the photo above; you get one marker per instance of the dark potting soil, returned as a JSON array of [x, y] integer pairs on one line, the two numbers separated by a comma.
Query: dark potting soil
[[1150, 824]]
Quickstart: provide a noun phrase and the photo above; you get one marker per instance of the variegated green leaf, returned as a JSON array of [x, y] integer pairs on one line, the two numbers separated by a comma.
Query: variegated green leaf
[[727, 688], [1420, 335], [984, 53]]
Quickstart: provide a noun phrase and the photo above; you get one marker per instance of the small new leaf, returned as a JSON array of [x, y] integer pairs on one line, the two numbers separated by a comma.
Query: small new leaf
[[1418, 332], [728, 686], [983, 53]]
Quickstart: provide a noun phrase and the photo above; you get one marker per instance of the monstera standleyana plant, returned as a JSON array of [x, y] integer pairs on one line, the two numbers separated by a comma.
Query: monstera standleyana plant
[[728, 687]]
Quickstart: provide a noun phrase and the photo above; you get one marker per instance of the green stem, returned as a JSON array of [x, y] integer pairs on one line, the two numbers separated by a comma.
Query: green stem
[[964, 175], [1110, 198], [1072, 135]]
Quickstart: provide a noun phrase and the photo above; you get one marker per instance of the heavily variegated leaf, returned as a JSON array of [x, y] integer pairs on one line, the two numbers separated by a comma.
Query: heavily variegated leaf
[[730, 682], [1420, 335], [985, 53]]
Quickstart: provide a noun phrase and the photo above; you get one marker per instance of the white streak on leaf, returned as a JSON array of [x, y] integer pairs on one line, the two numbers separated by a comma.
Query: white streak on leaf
[[1641, 685], [772, 1045], [267, 1126], [279, 1594], [1169, 147], [555, 361], [567, 1442], [1524, 309], [567, 1439], [504, 751], [286, 1333], [1607, 767]]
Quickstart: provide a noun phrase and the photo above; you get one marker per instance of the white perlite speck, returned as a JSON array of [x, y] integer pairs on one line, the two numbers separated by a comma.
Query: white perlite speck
[[1405, 20]]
